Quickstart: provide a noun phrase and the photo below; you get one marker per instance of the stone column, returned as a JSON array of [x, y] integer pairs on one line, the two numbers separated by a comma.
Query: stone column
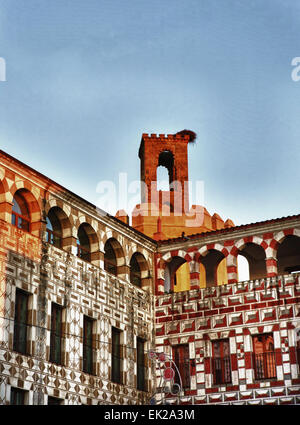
[[70, 245], [124, 272], [194, 274], [232, 275], [271, 266]]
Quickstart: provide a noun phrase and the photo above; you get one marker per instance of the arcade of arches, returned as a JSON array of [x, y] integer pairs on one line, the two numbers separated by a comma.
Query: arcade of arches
[[251, 265]]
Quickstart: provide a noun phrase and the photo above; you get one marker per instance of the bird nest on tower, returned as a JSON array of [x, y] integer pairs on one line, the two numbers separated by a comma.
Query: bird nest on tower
[[192, 135]]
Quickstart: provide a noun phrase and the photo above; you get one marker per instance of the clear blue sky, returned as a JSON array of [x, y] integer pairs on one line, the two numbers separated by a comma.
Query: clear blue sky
[[86, 78]]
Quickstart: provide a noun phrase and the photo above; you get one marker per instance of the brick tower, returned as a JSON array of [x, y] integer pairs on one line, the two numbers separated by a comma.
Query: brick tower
[[165, 214], [170, 152]]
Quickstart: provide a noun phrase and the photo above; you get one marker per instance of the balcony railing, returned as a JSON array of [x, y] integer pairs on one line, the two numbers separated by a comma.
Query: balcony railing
[[264, 365], [186, 368], [221, 369]]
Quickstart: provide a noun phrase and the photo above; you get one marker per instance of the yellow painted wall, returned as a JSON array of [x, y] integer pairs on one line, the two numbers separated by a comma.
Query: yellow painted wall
[[202, 276], [183, 276], [222, 278]]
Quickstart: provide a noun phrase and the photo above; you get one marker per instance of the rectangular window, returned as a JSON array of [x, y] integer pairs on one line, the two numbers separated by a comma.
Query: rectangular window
[[298, 354], [20, 222], [17, 396], [181, 357], [88, 359], [264, 356], [221, 367], [20, 325], [140, 356], [116, 362], [54, 401], [53, 238], [56, 334]]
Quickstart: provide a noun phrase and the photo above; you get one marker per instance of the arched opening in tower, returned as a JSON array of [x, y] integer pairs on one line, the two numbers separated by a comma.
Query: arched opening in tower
[[165, 176], [166, 167]]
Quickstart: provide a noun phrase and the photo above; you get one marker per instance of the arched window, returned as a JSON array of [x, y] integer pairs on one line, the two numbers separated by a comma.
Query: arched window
[[135, 272], [20, 212], [110, 259], [264, 356], [83, 244], [54, 229], [139, 270]]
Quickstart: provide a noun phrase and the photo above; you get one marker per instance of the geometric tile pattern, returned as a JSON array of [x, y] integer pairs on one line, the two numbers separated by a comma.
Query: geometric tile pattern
[[235, 317], [82, 289], [198, 317]]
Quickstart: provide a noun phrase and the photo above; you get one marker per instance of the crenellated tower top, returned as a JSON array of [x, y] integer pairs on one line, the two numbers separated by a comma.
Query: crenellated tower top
[[169, 151]]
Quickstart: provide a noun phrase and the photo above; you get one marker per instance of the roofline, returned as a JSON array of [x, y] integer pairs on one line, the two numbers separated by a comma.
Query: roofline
[[157, 243], [227, 230], [77, 196]]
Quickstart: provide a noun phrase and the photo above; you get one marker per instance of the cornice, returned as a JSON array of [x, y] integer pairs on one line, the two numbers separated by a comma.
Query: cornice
[[256, 229]]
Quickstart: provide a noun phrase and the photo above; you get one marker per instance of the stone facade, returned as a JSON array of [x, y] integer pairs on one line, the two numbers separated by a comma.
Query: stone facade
[[48, 275], [233, 343], [165, 214], [268, 304]]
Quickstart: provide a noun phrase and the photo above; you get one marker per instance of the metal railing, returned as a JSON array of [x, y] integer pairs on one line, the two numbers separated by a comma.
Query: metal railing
[[185, 368], [264, 365], [221, 369]]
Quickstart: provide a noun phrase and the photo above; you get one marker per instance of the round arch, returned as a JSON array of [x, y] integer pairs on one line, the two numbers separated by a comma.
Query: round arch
[[25, 208], [88, 243], [59, 228], [139, 270], [114, 258]]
